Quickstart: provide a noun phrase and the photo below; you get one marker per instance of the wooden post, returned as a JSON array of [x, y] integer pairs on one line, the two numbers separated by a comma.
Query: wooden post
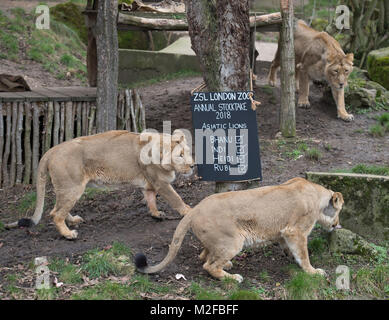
[[7, 146], [69, 121], [107, 65], [12, 174], [19, 159], [27, 143], [57, 120], [49, 125], [1, 141], [35, 140], [91, 59], [287, 74]]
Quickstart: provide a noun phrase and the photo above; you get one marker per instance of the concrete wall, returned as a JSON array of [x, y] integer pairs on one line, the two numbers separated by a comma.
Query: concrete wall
[[139, 65], [366, 207]]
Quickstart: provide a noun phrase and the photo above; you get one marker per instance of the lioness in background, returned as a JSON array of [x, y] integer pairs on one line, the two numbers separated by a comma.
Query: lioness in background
[[112, 157], [318, 57], [226, 222]]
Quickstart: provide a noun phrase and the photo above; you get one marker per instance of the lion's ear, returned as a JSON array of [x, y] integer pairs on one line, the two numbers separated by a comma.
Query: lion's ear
[[337, 200], [350, 57]]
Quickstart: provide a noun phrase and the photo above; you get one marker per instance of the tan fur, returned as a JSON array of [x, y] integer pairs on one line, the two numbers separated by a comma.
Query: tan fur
[[318, 56], [226, 222], [112, 157]]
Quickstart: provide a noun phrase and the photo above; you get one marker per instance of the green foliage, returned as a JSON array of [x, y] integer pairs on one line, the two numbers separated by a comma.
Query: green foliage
[[366, 169], [114, 261], [98, 264], [244, 295], [372, 282], [313, 154], [67, 273], [201, 293], [71, 15], [304, 286], [318, 245], [377, 130], [105, 291], [27, 203]]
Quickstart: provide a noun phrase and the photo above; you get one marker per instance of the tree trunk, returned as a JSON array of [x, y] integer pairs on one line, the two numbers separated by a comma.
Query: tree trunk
[[288, 83], [220, 36], [107, 65]]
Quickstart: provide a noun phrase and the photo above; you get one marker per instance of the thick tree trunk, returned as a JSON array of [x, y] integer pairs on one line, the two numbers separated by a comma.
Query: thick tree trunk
[[107, 65], [288, 83], [220, 36]]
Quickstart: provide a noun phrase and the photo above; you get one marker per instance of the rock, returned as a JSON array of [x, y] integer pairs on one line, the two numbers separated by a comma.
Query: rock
[[346, 241], [378, 66], [366, 201]]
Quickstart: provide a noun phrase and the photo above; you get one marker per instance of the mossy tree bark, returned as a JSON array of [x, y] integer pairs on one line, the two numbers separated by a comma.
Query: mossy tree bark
[[287, 74], [370, 27], [220, 36], [107, 65]]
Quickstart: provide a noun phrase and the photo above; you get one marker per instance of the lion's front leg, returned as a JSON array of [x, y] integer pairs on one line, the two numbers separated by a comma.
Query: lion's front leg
[[172, 198], [303, 84], [298, 245], [151, 200], [339, 100]]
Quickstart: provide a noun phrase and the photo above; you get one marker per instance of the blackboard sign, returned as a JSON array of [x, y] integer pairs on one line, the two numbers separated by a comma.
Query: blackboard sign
[[226, 136]]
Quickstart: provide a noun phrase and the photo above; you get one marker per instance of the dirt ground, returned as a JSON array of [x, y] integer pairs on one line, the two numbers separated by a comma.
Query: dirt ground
[[121, 215]]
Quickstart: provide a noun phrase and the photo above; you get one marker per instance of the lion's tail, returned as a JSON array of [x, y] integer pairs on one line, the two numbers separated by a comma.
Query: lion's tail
[[40, 196], [178, 237]]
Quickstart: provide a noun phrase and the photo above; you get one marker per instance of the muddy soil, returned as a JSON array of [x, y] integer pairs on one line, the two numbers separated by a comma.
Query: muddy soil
[[121, 215]]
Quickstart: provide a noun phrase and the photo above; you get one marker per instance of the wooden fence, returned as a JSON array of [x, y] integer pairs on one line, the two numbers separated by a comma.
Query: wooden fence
[[33, 122]]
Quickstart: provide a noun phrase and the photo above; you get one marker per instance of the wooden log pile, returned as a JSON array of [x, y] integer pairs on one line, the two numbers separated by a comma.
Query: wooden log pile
[[28, 129]]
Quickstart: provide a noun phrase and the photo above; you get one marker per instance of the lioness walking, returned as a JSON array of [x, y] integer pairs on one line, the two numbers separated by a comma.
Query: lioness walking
[[318, 56], [112, 157], [226, 222]]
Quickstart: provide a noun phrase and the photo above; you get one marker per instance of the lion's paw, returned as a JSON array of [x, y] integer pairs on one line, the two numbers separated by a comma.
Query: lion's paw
[[72, 235], [237, 277], [348, 117], [272, 82], [320, 271], [304, 104], [75, 221], [159, 215]]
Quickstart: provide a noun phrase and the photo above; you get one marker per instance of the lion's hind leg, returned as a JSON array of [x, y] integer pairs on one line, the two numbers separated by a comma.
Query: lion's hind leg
[[220, 258], [65, 201]]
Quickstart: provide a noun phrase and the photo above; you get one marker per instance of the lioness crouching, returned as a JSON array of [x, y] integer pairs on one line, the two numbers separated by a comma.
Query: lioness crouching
[[318, 56], [226, 222], [113, 157]]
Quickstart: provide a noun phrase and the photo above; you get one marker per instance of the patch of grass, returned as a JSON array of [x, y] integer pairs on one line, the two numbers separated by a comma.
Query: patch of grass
[[304, 286], [2, 227], [366, 169], [383, 118], [201, 293], [313, 154], [98, 264], [105, 291], [373, 282], [244, 295], [264, 276], [27, 203], [115, 261], [90, 193], [294, 154], [47, 294], [318, 245], [377, 131], [67, 273]]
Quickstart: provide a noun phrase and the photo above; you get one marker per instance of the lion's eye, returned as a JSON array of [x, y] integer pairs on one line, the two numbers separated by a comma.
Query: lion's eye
[[336, 71]]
